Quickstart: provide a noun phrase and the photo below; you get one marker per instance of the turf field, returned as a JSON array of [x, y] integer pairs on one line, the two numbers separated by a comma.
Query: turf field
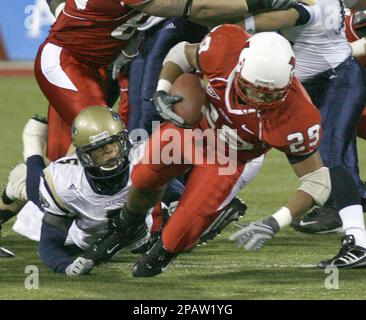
[[283, 269]]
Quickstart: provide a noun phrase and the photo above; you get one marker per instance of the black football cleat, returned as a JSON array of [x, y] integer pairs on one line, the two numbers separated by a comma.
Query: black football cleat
[[5, 253], [154, 261], [350, 256], [235, 209], [321, 220], [126, 229], [114, 242], [146, 245]]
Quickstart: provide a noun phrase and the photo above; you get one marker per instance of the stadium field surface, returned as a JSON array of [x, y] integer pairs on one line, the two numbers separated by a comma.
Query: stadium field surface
[[285, 268]]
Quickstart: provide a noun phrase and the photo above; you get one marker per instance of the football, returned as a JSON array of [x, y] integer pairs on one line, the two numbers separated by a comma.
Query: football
[[189, 87]]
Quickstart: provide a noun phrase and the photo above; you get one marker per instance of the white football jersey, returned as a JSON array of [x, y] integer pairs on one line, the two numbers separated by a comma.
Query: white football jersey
[[321, 43], [66, 191]]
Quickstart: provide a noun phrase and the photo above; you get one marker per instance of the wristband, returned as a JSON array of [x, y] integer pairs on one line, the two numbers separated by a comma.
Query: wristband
[[164, 85], [283, 217]]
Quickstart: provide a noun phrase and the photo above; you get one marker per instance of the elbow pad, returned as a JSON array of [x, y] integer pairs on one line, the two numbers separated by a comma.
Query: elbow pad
[[358, 47], [317, 184]]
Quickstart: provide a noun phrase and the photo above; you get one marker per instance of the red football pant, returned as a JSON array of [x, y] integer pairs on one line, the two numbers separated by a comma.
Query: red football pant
[[206, 190], [70, 86]]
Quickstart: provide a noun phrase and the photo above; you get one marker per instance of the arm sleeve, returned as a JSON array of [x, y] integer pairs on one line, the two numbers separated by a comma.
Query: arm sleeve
[[51, 248], [304, 15], [307, 14]]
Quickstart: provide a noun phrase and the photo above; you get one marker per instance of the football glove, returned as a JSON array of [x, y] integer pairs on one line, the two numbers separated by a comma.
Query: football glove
[[253, 235], [79, 266], [122, 61], [163, 104]]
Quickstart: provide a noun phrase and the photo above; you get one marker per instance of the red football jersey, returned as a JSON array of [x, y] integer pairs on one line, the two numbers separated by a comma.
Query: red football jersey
[[352, 35], [94, 30], [296, 131]]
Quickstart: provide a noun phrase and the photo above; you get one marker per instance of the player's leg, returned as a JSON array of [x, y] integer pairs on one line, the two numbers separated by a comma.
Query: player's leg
[[207, 195], [134, 89], [158, 41], [59, 135], [340, 100], [361, 132], [68, 84], [340, 113], [23, 180]]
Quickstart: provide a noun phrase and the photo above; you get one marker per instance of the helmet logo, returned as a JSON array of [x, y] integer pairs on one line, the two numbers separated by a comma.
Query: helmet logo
[[101, 136], [115, 116]]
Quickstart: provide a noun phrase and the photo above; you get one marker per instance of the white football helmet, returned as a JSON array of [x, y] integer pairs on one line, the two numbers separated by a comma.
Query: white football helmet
[[264, 71]]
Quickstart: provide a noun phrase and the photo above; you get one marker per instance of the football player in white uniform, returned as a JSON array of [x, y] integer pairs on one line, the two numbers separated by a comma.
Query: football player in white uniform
[[82, 195], [78, 191]]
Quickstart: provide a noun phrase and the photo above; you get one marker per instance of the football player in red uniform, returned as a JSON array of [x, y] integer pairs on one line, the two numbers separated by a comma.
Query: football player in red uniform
[[89, 34], [255, 104], [71, 64]]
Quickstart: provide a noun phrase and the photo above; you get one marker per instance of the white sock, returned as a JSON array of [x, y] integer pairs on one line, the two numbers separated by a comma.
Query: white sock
[[34, 138], [353, 223]]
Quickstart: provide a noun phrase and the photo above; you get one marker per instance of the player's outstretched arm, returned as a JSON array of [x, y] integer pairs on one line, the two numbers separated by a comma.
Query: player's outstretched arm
[[52, 244], [297, 15], [314, 189], [211, 11]]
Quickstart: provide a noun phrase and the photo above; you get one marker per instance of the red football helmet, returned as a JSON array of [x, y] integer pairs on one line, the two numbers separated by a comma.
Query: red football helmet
[[264, 72]]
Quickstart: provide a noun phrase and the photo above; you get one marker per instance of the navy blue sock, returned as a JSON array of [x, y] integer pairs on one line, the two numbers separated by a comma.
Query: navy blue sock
[[344, 189], [35, 166]]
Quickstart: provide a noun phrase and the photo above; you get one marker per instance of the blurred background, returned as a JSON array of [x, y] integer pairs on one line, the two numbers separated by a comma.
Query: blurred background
[[23, 26]]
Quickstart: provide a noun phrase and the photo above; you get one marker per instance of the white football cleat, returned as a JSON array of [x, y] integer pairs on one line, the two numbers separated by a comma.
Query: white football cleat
[[16, 187], [35, 137]]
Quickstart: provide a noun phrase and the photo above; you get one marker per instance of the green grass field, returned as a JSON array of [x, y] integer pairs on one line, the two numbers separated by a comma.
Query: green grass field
[[283, 269]]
